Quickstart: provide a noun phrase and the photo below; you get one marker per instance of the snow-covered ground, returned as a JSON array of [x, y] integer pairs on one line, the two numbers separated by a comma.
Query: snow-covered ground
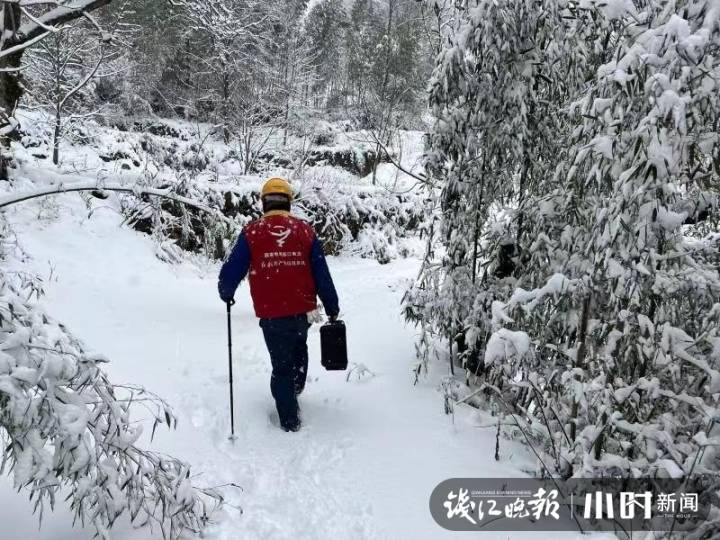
[[370, 451]]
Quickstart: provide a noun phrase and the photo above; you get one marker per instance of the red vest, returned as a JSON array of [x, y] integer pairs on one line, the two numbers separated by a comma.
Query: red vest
[[281, 280]]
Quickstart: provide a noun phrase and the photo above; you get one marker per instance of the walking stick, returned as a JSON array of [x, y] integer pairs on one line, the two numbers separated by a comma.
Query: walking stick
[[232, 407]]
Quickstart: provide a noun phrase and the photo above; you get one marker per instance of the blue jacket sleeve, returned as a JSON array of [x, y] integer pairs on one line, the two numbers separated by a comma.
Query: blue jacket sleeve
[[323, 280], [234, 269]]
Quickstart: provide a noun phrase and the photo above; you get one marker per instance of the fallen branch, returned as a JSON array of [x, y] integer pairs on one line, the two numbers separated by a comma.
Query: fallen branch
[[417, 176]]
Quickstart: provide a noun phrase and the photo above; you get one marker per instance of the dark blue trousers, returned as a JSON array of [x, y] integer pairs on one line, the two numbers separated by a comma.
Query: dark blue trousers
[[286, 340]]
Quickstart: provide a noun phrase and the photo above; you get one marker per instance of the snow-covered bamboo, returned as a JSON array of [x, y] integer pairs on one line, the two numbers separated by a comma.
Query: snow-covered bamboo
[[582, 284]]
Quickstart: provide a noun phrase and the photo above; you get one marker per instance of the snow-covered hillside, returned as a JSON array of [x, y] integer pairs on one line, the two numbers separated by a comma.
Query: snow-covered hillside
[[332, 179]]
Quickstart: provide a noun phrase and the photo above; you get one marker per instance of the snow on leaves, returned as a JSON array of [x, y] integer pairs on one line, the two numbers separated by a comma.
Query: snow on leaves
[[578, 263], [67, 428]]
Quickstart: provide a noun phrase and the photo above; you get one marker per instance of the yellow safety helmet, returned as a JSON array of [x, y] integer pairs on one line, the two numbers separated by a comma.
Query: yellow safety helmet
[[277, 186]]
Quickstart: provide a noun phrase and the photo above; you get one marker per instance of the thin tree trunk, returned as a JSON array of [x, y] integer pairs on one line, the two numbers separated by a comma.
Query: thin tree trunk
[[285, 121], [10, 84], [18, 197], [383, 88], [476, 239], [582, 338], [521, 198], [288, 82], [56, 137]]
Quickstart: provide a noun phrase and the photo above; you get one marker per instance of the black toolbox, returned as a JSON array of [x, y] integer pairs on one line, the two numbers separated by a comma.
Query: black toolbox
[[333, 346]]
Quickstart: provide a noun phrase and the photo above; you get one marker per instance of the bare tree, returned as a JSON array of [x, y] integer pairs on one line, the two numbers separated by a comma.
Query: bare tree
[[388, 75], [61, 67], [22, 24], [227, 47]]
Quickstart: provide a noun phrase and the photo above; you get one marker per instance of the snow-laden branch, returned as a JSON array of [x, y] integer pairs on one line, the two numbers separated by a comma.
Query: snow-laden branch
[[417, 176], [67, 430], [22, 46], [38, 21], [83, 82], [39, 27], [59, 15], [99, 186]]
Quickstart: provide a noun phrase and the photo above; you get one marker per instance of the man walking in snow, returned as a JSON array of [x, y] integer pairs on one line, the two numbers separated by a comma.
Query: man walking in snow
[[287, 271]]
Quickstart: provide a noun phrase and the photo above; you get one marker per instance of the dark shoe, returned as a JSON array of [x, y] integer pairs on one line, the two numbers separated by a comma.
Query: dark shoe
[[292, 427]]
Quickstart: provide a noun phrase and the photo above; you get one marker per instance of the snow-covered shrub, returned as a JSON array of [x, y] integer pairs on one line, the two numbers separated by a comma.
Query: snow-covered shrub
[[364, 220], [117, 147], [357, 158], [377, 243], [66, 430], [324, 134], [35, 135]]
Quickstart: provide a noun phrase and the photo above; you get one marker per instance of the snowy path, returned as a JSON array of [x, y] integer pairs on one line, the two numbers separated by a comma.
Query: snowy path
[[370, 451]]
